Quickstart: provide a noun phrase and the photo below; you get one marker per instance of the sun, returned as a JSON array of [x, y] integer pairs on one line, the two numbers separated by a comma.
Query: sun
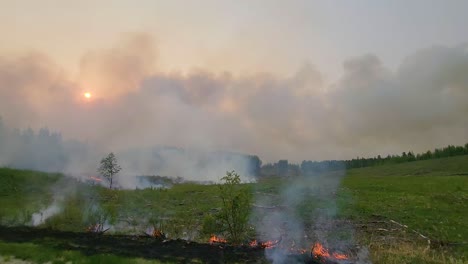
[[87, 95]]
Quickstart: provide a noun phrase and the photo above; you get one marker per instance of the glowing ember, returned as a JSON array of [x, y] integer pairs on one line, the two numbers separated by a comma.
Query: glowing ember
[[319, 251], [215, 239]]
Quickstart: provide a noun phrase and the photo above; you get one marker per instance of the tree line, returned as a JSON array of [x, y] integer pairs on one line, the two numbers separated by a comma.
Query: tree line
[[46, 150], [448, 151], [307, 167]]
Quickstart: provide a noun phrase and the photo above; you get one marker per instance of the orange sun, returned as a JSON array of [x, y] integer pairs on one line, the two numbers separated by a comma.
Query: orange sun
[[87, 95]]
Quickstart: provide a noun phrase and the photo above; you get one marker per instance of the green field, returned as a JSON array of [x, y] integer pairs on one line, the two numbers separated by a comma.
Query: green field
[[430, 198]]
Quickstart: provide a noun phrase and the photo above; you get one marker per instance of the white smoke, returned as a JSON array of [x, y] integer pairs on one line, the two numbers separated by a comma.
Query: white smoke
[[41, 216], [304, 212]]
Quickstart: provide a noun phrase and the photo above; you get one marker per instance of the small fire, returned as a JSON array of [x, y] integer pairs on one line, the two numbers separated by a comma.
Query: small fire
[[319, 251], [253, 243], [157, 233], [95, 179], [269, 244], [95, 228], [215, 239]]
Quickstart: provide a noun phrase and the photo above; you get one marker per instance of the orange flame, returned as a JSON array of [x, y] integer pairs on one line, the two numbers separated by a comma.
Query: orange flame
[[273, 244], [95, 178], [339, 256], [215, 239], [269, 244], [96, 228], [157, 233], [253, 243], [319, 251]]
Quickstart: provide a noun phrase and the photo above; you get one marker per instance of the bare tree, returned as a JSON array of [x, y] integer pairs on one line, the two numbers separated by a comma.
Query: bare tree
[[109, 168]]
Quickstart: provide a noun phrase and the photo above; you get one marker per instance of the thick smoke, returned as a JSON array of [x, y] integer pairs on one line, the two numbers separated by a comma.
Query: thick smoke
[[370, 110]]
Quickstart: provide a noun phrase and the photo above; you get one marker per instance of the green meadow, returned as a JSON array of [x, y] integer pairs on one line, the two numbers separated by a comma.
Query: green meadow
[[415, 212]]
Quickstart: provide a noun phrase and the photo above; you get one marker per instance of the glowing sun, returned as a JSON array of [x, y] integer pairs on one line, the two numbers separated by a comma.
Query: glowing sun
[[87, 95]]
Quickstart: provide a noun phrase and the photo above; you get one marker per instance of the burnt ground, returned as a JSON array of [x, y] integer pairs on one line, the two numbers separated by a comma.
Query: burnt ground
[[179, 251]]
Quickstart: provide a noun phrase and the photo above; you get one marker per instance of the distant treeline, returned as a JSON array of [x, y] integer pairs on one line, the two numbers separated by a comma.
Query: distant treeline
[[42, 150], [448, 151], [45, 150], [307, 167]]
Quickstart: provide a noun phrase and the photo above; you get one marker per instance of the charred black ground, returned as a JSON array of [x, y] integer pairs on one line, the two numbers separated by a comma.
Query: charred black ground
[[179, 251]]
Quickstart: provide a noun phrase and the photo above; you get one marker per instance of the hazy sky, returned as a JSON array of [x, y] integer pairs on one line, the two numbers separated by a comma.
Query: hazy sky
[[238, 36], [299, 79]]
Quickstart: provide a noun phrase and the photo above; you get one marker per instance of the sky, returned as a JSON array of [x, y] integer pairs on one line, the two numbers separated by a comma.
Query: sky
[[280, 79]]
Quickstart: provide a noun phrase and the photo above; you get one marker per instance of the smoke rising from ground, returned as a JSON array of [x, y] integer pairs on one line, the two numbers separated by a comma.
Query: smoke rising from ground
[[304, 212], [370, 110]]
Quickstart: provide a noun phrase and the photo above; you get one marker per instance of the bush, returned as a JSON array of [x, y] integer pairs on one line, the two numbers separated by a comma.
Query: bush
[[234, 213]]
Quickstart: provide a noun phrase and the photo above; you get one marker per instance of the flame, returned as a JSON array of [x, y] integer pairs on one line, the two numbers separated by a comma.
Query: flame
[[339, 256], [319, 251], [95, 178], [215, 239], [157, 233], [94, 228], [253, 243], [269, 244], [273, 244]]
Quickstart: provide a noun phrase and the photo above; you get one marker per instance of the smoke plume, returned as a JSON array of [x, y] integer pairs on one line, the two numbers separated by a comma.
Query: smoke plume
[[370, 110]]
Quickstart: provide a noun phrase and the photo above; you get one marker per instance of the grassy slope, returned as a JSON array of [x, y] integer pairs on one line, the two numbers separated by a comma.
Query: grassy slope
[[428, 196], [22, 192]]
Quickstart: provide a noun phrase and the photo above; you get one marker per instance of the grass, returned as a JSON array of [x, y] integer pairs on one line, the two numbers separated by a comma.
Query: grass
[[22, 192], [43, 254], [179, 211], [430, 197]]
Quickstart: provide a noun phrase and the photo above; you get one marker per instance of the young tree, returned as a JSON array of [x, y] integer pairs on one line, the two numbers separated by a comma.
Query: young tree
[[235, 210], [109, 168]]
